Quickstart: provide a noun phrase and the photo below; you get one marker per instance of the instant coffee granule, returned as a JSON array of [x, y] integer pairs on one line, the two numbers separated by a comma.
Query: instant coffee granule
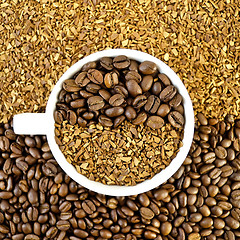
[[126, 155], [40, 40]]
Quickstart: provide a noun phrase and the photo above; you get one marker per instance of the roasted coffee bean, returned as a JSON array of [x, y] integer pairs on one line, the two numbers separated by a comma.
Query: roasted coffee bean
[[164, 79], [163, 110], [130, 113], [4, 143], [220, 152], [107, 63], [88, 66], [146, 83], [82, 122], [146, 213], [16, 148], [88, 206], [104, 94], [156, 88], [114, 111], [133, 75], [176, 119], [95, 103], [69, 85], [111, 79], [71, 117], [121, 62], [78, 103], [139, 101], [93, 88], [155, 122], [168, 93], [121, 90], [148, 68], [118, 121], [95, 76], [133, 65], [152, 105], [82, 80], [176, 101], [116, 100], [140, 119], [105, 121], [133, 88]]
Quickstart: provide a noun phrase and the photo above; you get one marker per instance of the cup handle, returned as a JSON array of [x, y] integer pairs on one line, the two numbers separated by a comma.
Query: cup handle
[[31, 123]]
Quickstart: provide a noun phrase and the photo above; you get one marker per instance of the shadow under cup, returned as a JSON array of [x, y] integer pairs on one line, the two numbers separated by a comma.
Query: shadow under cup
[[43, 123]]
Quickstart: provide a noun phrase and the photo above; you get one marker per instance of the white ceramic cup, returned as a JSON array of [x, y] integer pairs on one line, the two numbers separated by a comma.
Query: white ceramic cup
[[43, 124]]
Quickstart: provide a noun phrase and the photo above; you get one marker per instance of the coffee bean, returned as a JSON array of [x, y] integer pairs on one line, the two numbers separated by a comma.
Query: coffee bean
[[194, 236], [155, 122], [130, 113], [107, 63], [111, 79], [69, 85], [152, 104], [114, 111], [161, 194], [71, 117], [88, 66], [168, 93], [88, 206], [105, 121], [163, 110], [232, 223], [88, 115], [156, 88], [5, 195], [133, 88], [121, 90], [176, 119], [33, 197], [95, 103], [220, 152], [82, 79], [49, 169], [78, 103], [139, 101], [146, 83], [176, 101], [116, 100], [63, 225], [118, 121], [31, 237], [164, 79], [148, 68], [95, 76], [4, 143], [133, 75], [121, 62], [93, 88], [166, 228], [140, 119], [146, 213]]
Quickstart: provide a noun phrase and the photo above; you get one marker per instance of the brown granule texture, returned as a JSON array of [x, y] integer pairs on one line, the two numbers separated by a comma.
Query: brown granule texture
[[126, 155], [39, 40]]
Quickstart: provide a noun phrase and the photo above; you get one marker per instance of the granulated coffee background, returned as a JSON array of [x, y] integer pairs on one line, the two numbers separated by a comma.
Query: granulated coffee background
[[39, 40]]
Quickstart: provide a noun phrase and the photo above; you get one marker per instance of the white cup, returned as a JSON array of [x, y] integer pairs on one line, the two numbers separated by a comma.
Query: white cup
[[43, 124]]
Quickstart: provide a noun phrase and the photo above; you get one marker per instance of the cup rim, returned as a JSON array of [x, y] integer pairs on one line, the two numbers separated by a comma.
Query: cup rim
[[157, 179]]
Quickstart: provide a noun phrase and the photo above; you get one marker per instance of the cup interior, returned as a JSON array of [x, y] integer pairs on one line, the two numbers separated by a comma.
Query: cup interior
[[146, 185]]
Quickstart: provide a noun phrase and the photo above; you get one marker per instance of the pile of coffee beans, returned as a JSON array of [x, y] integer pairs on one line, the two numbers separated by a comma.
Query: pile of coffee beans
[[201, 201], [114, 89]]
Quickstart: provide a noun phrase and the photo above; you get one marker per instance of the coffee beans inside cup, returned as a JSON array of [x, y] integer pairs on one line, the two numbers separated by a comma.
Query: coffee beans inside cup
[[125, 100]]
